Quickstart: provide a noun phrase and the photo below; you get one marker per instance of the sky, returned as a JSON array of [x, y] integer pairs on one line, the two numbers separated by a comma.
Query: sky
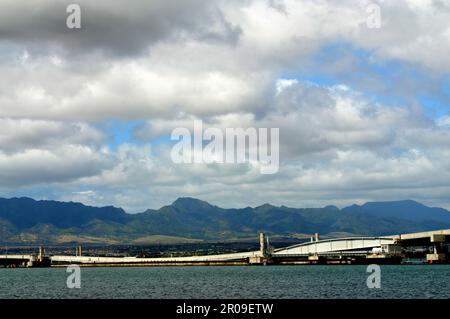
[[86, 114]]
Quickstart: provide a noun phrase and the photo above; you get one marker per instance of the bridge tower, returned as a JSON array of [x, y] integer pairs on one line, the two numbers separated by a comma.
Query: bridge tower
[[262, 244], [41, 254], [264, 254]]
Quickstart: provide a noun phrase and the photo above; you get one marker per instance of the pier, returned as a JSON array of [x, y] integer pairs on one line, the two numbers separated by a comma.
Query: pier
[[350, 250]]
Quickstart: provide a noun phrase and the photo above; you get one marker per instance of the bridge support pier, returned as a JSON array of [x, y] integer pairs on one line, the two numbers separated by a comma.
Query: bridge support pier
[[39, 260], [259, 260], [438, 256], [264, 254], [316, 259]]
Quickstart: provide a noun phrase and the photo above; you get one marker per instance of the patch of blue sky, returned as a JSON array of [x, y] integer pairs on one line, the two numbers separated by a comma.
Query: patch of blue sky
[[390, 82], [124, 132], [120, 132], [435, 108], [318, 79]]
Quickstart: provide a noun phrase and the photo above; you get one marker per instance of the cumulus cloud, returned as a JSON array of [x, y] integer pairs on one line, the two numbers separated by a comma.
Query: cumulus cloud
[[344, 147], [19, 134], [37, 166], [36, 152], [230, 64], [319, 119], [184, 70]]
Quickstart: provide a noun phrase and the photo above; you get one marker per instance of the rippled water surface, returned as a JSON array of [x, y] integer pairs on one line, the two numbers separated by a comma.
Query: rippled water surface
[[418, 281]]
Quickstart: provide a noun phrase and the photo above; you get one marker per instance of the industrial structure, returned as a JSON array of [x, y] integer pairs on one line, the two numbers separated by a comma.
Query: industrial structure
[[350, 250]]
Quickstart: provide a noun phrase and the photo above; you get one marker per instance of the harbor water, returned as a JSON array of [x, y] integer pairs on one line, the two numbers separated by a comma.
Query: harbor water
[[256, 282]]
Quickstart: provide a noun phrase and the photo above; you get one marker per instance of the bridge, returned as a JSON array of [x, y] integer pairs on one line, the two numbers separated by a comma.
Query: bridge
[[234, 258], [37, 260], [14, 260], [372, 246], [423, 237], [335, 250], [335, 245], [437, 239]]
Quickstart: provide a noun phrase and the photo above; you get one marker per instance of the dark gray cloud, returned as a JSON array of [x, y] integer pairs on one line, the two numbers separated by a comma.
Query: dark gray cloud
[[113, 27]]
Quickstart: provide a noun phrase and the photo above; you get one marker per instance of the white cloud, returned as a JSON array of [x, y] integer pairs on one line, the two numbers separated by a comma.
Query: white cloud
[[20, 134], [37, 166], [183, 70], [231, 64], [343, 149]]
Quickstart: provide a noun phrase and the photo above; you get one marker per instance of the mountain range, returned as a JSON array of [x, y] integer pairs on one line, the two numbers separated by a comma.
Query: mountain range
[[25, 220]]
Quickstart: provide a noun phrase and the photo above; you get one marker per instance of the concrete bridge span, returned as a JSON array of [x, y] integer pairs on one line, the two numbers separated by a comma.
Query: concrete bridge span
[[438, 239], [234, 257], [14, 260], [423, 237], [335, 245], [38, 260]]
